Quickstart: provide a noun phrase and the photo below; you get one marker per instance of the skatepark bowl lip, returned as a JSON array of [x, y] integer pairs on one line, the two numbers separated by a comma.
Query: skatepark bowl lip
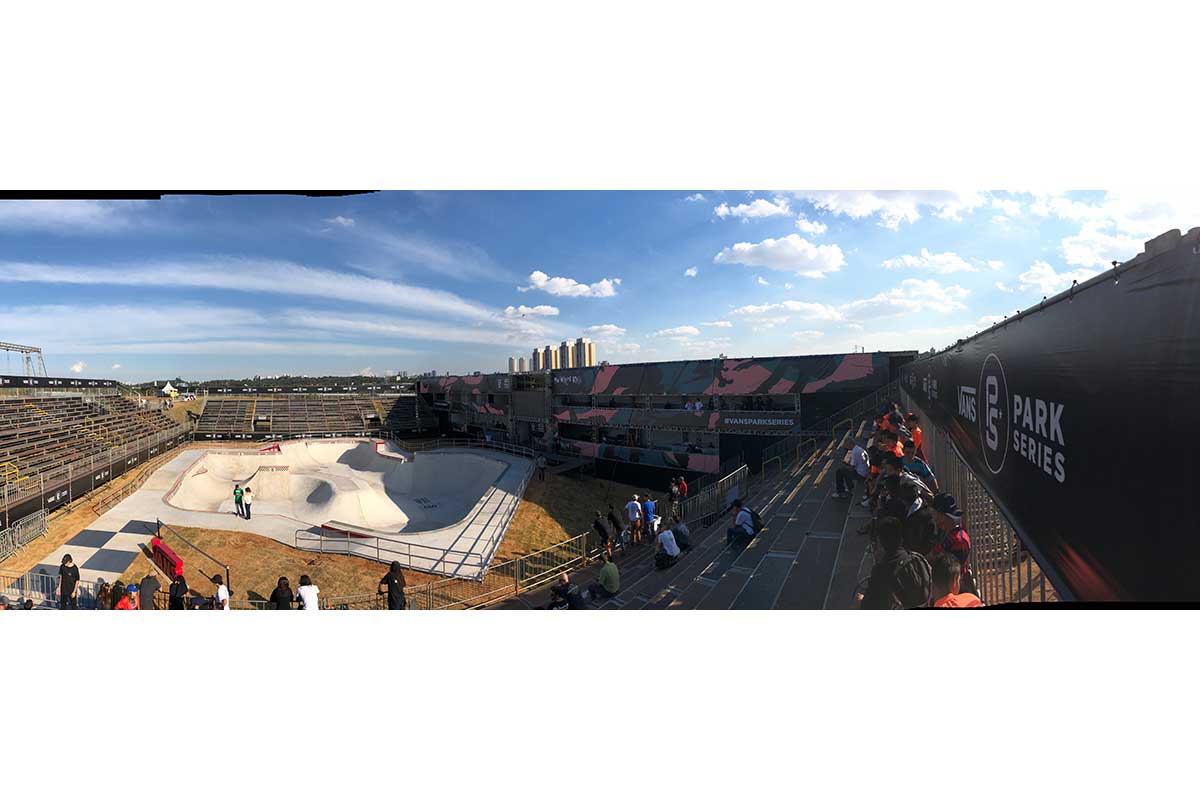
[[473, 513]]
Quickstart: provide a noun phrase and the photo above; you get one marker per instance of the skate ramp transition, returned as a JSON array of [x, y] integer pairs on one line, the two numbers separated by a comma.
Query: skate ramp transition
[[430, 506]]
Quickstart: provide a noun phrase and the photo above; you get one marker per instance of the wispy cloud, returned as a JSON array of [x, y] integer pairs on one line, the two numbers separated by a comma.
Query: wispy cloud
[[1048, 281], [691, 272], [115, 367], [682, 330], [941, 263], [255, 276], [761, 281], [807, 311], [74, 217], [78, 367], [344, 222], [811, 227], [894, 207], [569, 287], [756, 209], [695, 198], [530, 311], [722, 323], [606, 331]]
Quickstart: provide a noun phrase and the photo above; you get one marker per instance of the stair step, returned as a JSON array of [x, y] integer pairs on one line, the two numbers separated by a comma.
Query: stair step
[[760, 591]]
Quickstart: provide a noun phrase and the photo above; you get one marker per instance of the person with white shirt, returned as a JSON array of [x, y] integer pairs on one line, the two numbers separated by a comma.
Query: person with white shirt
[[743, 525], [633, 510], [222, 594], [847, 476], [666, 550], [306, 595]]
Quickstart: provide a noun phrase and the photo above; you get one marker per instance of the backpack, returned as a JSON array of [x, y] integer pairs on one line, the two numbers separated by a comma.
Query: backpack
[[756, 521], [912, 580]]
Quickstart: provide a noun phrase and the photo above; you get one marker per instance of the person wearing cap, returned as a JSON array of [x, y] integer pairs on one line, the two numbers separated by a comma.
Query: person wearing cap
[[947, 579], [129, 600], [393, 585], [68, 583], [633, 510], [954, 539]]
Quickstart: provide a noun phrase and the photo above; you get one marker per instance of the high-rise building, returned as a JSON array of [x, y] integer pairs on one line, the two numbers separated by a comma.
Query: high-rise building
[[566, 356], [535, 363], [512, 365], [549, 357], [522, 365], [585, 353]]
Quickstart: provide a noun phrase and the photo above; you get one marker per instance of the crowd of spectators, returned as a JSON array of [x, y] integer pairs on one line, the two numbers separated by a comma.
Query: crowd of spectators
[[916, 530]]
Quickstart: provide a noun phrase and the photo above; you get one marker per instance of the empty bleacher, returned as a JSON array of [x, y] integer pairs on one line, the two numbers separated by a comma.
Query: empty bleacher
[[38, 434], [311, 415]]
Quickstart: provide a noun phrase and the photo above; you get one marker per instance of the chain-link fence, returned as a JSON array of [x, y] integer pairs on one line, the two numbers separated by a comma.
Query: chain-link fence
[[22, 533], [1005, 572]]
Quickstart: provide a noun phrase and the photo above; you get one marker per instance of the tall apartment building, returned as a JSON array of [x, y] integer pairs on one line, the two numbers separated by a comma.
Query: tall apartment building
[[585, 353], [566, 356], [549, 357], [512, 365], [522, 365], [535, 363]]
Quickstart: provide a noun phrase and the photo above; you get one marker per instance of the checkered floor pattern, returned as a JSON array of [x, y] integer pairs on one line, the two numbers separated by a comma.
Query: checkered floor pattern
[[100, 553]]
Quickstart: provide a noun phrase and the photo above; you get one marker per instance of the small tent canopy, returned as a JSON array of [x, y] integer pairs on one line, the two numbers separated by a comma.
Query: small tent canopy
[[169, 390]]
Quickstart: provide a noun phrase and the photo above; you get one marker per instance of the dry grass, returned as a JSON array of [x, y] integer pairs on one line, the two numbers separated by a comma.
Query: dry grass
[[178, 412]]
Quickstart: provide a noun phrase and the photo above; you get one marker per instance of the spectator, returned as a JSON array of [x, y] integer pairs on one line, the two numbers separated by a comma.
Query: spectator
[[683, 490], [567, 595], [393, 585], [27, 605], [614, 521], [633, 509], [281, 596], [674, 495], [859, 469], [954, 539], [247, 499], [306, 595], [103, 595], [237, 501], [666, 550], [541, 467], [683, 536], [222, 596], [601, 527], [917, 466], [118, 594], [129, 600], [947, 577], [608, 582], [901, 579], [177, 599], [743, 526], [649, 520], [68, 583], [148, 589], [914, 429], [4, 603]]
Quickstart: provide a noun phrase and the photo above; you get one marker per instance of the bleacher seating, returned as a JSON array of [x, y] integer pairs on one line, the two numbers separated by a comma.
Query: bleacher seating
[[40, 433], [294, 415]]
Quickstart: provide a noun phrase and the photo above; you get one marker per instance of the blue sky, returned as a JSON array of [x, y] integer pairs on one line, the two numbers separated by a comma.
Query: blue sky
[[211, 287]]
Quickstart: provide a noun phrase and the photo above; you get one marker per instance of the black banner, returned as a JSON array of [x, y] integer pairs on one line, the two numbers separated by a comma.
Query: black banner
[[28, 382], [1077, 416]]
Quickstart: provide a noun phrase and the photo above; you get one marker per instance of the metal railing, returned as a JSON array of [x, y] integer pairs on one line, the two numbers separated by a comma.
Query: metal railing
[[705, 506], [22, 532], [42, 589], [1004, 571]]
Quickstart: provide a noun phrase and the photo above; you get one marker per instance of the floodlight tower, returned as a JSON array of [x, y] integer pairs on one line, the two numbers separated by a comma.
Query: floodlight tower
[[28, 353]]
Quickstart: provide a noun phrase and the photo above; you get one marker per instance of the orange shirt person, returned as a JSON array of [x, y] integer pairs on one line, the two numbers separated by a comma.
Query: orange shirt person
[[914, 428], [946, 576]]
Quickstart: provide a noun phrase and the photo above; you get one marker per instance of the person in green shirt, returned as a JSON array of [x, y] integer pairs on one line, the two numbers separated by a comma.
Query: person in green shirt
[[237, 500], [609, 579]]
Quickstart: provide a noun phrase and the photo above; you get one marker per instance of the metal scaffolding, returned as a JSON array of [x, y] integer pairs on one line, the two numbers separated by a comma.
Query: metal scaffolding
[[28, 353]]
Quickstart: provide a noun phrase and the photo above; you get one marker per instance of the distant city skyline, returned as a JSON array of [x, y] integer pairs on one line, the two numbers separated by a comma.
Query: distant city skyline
[[230, 287]]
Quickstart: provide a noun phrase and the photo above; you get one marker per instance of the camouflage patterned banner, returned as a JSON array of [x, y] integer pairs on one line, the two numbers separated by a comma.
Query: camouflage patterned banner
[[494, 383], [678, 419]]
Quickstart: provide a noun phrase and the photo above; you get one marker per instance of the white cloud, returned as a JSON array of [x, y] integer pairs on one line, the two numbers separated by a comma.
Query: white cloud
[[941, 263], [807, 335], [766, 323], [789, 286], [913, 294], [607, 331], [691, 272], [1093, 246], [1008, 207], [72, 216], [790, 253], [994, 264], [811, 227], [807, 311], [259, 276], [366, 372], [569, 287], [695, 198], [115, 367], [1004, 287], [756, 209], [761, 281], [894, 206], [383, 248], [530, 311], [345, 222], [1045, 279], [682, 330], [78, 367], [718, 324], [624, 347]]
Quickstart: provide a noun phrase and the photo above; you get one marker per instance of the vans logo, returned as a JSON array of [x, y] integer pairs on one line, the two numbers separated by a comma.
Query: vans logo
[[994, 423], [966, 402]]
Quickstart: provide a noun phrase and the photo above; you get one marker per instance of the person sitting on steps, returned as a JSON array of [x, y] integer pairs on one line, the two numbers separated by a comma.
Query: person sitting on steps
[[743, 526]]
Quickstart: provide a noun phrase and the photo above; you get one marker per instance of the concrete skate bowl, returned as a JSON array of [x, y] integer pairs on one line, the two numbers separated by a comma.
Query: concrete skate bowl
[[436, 511]]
